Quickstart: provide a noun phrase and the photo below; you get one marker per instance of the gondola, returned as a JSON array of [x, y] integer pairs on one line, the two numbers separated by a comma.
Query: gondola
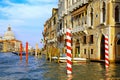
[[17, 53]]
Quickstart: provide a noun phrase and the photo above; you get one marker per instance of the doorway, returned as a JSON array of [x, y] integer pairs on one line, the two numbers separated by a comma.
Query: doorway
[[102, 48], [77, 51], [118, 48]]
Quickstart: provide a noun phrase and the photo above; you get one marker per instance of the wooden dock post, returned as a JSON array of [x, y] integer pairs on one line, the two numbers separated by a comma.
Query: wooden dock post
[[58, 53], [26, 51], [20, 51], [50, 54], [36, 50]]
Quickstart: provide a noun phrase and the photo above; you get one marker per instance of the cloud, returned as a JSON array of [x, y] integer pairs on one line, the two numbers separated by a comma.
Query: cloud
[[43, 1], [25, 11], [25, 17]]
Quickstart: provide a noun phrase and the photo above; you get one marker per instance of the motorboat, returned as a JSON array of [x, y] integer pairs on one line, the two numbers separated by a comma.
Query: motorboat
[[63, 58]]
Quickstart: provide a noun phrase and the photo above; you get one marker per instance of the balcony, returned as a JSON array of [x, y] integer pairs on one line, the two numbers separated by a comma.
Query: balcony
[[52, 40], [78, 4], [78, 29], [61, 32]]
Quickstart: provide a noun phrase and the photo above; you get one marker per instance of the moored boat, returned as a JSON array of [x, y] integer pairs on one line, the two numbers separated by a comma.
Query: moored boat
[[17, 53], [64, 59]]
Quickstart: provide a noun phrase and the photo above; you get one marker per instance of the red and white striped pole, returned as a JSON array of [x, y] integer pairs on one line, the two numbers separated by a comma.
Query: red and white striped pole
[[69, 54], [106, 51]]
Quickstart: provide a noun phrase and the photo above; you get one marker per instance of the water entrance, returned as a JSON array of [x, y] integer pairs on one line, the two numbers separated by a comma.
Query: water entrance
[[102, 54], [118, 48]]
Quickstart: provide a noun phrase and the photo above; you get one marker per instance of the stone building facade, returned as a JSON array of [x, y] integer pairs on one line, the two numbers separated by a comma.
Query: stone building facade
[[8, 42], [90, 21], [50, 33]]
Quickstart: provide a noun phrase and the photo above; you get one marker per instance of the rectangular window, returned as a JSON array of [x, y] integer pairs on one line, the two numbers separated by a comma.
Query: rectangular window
[[60, 26], [91, 51], [54, 20], [84, 39], [84, 51], [117, 14], [91, 39], [77, 41]]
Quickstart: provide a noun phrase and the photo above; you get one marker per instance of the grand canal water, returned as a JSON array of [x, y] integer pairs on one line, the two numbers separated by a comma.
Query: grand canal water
[[11, 68]]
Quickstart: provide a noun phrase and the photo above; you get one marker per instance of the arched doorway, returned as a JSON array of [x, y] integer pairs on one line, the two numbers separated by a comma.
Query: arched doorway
[[118, 48], [102, 48]]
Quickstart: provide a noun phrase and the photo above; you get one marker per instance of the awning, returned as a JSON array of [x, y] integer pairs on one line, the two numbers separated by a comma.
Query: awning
[[79, 11]]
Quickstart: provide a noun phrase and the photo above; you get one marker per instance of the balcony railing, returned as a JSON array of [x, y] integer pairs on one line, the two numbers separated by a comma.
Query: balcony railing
[[78, 29], [61, 32], [52, 40]]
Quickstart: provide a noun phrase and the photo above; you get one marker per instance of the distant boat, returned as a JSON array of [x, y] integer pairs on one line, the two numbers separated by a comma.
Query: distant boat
[[17, 53]]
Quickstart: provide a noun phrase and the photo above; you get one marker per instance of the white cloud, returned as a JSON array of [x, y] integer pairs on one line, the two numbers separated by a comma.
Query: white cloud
[[26, 11], [42, 1]]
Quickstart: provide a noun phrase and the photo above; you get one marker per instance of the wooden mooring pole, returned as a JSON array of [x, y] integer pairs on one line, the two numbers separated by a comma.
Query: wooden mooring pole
[[26, 51], [20, 51]]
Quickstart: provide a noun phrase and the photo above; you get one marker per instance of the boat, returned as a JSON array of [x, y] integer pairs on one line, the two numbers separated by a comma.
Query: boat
[[17, 53], [78, 59], [64, 59]]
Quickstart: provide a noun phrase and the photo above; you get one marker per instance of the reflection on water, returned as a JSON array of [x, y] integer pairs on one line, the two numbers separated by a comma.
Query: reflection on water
[[11, 68]]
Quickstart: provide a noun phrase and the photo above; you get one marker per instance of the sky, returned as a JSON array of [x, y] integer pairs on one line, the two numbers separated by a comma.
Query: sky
[[26, 18]]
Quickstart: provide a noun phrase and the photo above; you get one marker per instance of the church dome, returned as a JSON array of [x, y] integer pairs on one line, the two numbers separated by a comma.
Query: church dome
[[9, 35]]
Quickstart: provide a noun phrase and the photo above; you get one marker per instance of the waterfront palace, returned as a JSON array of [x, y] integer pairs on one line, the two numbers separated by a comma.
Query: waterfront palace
[[90, 21], [8, 42]]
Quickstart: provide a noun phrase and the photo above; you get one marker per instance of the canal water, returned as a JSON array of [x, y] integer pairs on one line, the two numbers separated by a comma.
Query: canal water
[[11, 68]]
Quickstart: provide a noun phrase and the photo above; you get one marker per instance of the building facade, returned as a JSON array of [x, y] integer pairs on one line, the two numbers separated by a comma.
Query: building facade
[[90, 21], [8, 43], [50, 34]]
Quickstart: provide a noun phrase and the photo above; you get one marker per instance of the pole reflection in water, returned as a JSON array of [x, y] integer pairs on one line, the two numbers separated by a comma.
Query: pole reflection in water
[[11, 68]]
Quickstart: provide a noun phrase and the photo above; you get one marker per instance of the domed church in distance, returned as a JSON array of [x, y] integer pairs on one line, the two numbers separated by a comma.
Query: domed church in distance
[[8, 42], [9, 35]]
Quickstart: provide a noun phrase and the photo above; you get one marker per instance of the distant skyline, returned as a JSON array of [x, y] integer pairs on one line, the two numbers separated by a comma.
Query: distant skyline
[[26, 18]]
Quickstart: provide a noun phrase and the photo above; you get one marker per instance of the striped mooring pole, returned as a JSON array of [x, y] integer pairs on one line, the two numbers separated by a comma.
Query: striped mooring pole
[[106, 51], [69, 54]]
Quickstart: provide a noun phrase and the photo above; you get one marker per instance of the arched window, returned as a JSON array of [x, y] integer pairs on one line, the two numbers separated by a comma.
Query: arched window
[[116, 14], [104, 11], [91, 15]]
